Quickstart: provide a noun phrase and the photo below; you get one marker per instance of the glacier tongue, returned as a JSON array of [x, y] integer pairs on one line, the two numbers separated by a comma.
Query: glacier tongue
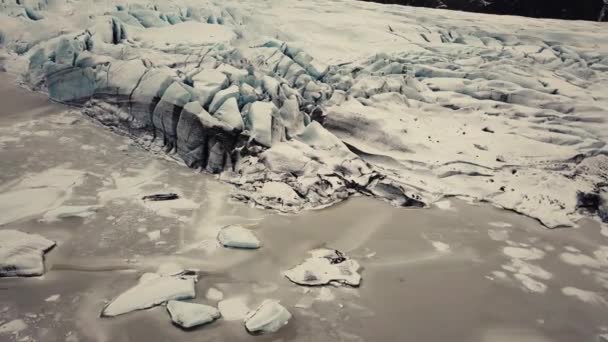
[[406, 108]]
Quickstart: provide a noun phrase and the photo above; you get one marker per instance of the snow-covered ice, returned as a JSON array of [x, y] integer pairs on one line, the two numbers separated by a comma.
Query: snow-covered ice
[[325, 266], [188, 315], [153, 289], [406, 108], [22, 254], [269, 317], [236, 236]]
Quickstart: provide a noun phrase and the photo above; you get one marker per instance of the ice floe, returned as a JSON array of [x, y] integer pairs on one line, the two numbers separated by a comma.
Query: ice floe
[[13, 327], [583, 295], [188, 315], [236, 236], [22, 254], [153, 289], [325, 266], [269, 317]]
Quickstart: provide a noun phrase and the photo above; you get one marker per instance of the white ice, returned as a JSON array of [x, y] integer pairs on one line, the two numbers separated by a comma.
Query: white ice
[[153, 289], [269, 317], [323, 267], [236, 236], [22, 254], [188, 315]]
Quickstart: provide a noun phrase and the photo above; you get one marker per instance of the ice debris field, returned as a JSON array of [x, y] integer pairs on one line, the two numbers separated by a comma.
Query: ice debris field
[[300, 105]]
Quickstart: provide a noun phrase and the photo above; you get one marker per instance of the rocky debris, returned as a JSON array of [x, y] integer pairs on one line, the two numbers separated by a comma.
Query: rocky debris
[[236, 236], [22, 254], [595, 202], [161, 197], [325, 266], [188, 315], [169, 283], [602, 209], [269, 317]]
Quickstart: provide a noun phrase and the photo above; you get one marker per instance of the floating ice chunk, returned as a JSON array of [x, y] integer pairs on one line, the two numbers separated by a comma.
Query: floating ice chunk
[[229, 113], [531, 284], [152, 290], [323, 267], [214, 294], [583, 295], [445, 205], [238, 237], [524, 253], [441, 247], [154, 235], [53, 298], [82, 211], [13, 327], [233, 309], [22, 254], [269, 317], [188, 315], [498, 235]]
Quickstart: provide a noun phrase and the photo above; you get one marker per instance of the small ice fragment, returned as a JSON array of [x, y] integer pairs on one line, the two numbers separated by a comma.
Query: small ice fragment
[[500, 224], [445, 205], [531, 284], [269, 317], [441, 247], [188, 315], [233, 309], [236, 236], [583, 295], [523, 253], [13, 327], [214, 294], [53, 298], [154, 235]]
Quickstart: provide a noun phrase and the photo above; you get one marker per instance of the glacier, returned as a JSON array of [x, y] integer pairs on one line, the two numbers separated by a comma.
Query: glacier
[[335, 98]]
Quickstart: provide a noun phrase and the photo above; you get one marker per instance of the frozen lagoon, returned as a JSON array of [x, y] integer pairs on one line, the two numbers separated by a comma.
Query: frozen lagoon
[[481, 287]]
